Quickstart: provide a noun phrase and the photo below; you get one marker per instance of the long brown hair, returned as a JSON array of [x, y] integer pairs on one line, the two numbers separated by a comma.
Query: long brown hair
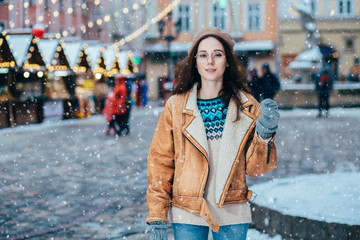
[[234, 79]]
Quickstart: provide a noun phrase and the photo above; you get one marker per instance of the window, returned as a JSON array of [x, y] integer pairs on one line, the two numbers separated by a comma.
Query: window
[[47, 4], [345, 8], [314, 7], [218, 16], [2, 1], [254, 21], [31, 3], [349, 44], [61, 3], [184, 17], [2, 26]]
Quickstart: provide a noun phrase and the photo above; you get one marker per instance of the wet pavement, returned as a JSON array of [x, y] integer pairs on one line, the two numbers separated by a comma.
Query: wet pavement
[[67, 180]]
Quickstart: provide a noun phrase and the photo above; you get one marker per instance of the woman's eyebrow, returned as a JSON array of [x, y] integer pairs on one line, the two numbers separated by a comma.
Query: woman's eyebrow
[[216, 50]]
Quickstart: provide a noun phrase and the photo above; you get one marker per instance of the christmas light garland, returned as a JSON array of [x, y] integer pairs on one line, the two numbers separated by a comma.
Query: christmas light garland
[[146, 26]]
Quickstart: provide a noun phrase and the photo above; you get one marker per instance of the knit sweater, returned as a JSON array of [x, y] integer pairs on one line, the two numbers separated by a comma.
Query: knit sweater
[[213, 113]]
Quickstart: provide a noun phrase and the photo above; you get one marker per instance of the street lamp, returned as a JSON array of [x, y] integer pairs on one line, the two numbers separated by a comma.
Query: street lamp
[[166, 28]]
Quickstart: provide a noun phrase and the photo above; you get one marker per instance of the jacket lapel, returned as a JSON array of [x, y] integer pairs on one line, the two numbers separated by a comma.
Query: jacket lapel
[[194, 128], [232, 137]]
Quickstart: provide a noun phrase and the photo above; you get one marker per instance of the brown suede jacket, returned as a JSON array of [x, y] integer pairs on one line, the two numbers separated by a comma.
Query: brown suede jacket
[[178, 158]]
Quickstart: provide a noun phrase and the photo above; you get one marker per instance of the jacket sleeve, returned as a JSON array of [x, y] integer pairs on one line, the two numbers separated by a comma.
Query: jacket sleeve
[[160, 168], [261, 156]]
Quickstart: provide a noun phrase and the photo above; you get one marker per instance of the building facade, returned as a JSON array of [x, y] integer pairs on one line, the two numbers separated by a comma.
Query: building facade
[[63, 18], [337, 23], [252, 24]]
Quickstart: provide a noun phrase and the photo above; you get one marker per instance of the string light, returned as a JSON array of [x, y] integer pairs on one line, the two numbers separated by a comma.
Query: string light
[[107, 18], [146, 26]]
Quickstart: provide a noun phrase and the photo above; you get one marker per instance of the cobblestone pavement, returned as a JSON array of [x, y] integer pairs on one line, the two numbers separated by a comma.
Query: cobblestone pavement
[[67, 180]]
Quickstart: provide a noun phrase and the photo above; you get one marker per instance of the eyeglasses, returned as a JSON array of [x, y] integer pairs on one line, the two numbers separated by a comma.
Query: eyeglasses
[[215, 56]]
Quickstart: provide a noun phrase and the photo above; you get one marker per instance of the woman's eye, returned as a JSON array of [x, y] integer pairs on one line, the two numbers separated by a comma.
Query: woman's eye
[[217, 55], [203, 56]]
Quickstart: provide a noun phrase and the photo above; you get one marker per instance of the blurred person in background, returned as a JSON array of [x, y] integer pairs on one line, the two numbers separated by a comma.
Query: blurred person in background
[[323, 87], [108, 111], [119, 103], [270, 82], [255, 84]]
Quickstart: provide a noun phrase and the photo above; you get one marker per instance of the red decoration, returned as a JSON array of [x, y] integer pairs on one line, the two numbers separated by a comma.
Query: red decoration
[[38, 30]]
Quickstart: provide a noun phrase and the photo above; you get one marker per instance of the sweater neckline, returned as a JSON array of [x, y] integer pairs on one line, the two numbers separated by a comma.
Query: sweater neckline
[[210, 99]]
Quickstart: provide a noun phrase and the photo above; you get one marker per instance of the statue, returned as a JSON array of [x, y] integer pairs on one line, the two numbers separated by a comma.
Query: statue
[[308, 62], [308, 24]]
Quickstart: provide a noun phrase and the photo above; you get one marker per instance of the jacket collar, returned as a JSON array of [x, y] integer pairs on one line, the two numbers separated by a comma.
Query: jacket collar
[[232, 136]]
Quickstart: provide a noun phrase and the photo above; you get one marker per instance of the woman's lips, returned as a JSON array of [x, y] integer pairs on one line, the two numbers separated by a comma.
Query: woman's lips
[[210, 70]]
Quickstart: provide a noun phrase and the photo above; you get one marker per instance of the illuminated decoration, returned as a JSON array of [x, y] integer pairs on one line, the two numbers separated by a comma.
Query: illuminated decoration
[[4, 70], [107, 18], [32, 66], [38, 30], [98, 75], [7, 64], [146, 26], [26, 74], [40, 74], [7, 59]]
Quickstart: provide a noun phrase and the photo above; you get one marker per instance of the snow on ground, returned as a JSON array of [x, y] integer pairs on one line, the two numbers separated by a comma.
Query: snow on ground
[[333, 112], [256, 235], [333, 197]]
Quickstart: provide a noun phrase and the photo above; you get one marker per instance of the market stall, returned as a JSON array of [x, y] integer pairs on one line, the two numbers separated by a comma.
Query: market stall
[[29, 80], [98, 67], [84, 84], [59, 81], [112, 65], [7, 79]]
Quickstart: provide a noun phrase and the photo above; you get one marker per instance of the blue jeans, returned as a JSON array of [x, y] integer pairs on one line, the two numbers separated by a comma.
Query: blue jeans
[[195, 232]]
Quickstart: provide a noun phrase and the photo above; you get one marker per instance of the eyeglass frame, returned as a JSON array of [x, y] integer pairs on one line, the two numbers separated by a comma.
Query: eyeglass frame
[[213, 57]]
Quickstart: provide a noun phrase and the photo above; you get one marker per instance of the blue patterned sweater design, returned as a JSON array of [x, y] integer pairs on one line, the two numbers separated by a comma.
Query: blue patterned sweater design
[[213, 114]]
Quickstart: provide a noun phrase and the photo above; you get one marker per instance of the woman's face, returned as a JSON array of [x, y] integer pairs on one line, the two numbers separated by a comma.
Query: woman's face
[[211, 60]]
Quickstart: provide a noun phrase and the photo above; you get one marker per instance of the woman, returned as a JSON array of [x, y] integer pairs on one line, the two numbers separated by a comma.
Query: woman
[[209, 135]]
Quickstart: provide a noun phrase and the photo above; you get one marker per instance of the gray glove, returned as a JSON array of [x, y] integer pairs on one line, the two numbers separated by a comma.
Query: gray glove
[[157, 230], [268, 121]]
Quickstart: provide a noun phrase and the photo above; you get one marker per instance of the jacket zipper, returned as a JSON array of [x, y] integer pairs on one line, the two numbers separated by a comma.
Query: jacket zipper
[[269, 151], [202, 187]]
